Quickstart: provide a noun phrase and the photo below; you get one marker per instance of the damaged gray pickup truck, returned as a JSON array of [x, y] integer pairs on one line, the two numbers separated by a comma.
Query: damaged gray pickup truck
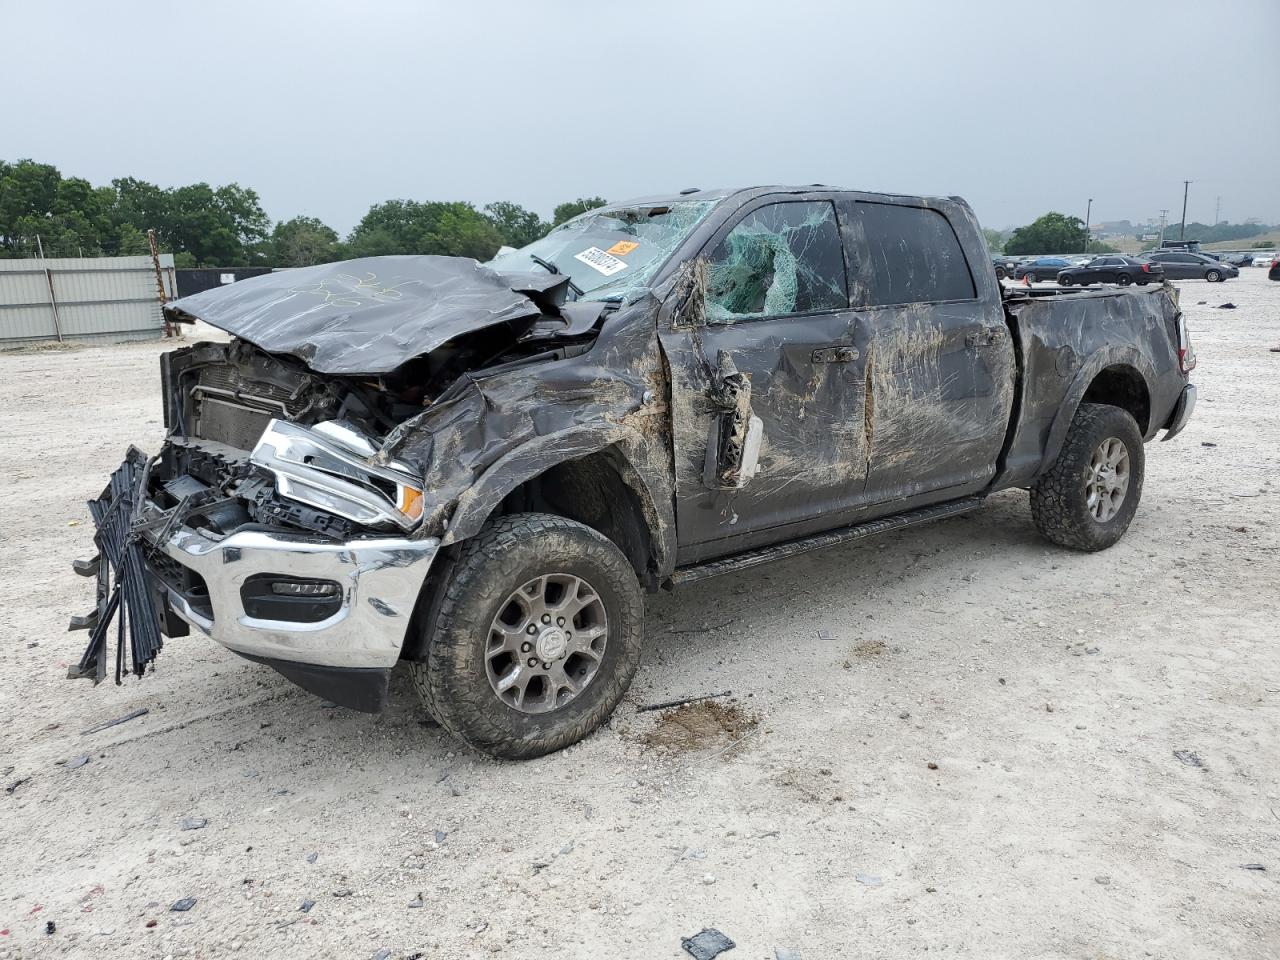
[[480, 468]]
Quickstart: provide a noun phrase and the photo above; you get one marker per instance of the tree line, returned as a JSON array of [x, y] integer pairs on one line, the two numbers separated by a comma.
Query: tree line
[[226, 226], [1058, 233]]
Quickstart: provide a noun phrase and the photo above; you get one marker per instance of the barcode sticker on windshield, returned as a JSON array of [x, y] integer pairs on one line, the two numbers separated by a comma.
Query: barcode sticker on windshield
[[597, 259]]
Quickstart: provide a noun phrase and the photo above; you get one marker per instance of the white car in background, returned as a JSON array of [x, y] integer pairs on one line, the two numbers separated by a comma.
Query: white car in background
[[1264, 259]]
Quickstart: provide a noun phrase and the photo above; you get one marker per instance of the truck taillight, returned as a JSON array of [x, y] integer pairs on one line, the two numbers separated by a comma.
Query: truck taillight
[[1186, 352]]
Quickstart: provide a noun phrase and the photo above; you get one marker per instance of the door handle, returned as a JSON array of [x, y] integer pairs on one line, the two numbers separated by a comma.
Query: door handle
[[982, 339], [835, 355]]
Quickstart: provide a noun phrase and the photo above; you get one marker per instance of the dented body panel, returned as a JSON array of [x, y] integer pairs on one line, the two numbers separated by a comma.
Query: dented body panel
[[804, 360]]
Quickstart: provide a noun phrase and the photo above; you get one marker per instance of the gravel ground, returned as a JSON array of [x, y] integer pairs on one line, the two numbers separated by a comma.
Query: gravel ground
[[956, 739]]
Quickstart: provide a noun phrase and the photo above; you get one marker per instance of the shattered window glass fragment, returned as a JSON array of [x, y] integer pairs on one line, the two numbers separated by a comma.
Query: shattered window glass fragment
[[781, 259]]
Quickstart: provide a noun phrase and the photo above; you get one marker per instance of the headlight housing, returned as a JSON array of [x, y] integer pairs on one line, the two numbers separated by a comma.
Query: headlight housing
[[326, 467]]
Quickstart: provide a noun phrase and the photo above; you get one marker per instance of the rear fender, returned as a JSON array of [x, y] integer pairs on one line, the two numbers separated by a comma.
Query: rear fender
[[1114, 356]]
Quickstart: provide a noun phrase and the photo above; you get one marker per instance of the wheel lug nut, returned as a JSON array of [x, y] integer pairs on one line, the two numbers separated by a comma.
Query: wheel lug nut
[[526, 647], [546, 618], [559, 621], [532, 629], [546, 666], [533, 661]]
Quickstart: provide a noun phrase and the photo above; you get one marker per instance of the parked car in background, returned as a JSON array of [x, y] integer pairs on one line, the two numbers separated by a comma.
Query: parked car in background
[[1041, 268], [1274, 272], [1113, 269], [1192, 266], [1264, 259], [1004, 266], [1236, 259]]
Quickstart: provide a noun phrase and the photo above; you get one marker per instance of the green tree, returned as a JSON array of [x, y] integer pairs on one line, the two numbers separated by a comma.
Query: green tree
[[569, 210], [302, 242], [28, 194], [519, 227], [408, 227], [995, 240], [1051, 233]]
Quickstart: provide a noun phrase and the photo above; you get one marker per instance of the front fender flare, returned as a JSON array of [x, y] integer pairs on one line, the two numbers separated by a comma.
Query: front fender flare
[[540, 454]]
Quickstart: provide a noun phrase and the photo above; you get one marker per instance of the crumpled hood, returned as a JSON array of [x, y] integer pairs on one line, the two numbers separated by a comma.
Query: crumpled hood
[[370, 315]]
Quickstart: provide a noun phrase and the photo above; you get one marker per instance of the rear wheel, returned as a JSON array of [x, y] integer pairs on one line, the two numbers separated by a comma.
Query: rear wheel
[[1124, 279], [1213, 276], [535, 638], [1087, 499], [1031, 276]]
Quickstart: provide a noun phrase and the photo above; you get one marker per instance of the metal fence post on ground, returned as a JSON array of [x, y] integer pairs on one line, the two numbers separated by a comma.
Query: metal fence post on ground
[[53, 299], [155, 262]]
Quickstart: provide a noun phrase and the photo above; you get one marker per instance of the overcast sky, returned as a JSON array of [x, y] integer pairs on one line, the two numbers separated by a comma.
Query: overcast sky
[[326, 108]]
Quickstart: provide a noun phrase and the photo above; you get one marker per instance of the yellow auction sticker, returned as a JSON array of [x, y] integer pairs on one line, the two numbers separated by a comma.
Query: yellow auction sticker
[[622, 248]]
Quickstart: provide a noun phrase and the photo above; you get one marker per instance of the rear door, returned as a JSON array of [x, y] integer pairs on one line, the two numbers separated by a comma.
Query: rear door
[[939, 369], [1105, 269], [777, 308], [1180, 266]]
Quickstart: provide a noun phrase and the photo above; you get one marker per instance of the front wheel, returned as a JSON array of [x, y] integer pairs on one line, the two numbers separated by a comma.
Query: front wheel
[[1032, 277], [1064, 281], [1087, 499], [535, 638], [1213, 276]]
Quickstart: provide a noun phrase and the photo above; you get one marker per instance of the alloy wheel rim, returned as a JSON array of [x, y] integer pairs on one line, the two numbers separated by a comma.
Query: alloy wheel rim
[[546, 643], [1108, 480]]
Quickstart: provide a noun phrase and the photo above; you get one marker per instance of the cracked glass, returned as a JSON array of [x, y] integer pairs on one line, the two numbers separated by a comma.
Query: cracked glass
[[781, 259]]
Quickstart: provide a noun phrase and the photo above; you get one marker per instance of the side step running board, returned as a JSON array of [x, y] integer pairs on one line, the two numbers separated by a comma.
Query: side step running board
[[819, 541]]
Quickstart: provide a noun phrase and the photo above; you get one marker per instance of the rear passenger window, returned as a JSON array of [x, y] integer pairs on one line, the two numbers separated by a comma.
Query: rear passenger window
[[914, 256], [780, 259]]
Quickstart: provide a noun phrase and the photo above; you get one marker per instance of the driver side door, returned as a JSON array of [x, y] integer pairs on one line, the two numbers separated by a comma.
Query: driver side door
[[777, 320]]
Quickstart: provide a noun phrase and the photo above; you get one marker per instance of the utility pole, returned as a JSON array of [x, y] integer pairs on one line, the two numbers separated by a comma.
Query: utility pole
[[1182, 230], [1088, 212]]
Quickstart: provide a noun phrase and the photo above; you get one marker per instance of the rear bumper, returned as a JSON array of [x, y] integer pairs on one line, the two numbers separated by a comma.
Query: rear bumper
[[380, 580], [1181, 412]]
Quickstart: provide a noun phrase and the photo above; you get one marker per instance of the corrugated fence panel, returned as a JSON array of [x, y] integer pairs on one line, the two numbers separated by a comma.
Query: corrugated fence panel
[[98, 298]]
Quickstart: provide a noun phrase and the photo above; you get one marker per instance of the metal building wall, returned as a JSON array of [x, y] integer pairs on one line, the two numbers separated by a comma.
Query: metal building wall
[[98, 299]]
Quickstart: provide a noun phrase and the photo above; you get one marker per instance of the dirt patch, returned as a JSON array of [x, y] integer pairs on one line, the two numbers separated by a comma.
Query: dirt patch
[[870, 648], [700, 726]]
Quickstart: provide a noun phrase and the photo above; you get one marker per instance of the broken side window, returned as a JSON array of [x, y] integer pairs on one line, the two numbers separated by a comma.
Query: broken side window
[[781, 259]]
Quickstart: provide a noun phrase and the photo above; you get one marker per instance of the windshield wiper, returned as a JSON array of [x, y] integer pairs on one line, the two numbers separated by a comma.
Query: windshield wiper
[[552, 268]]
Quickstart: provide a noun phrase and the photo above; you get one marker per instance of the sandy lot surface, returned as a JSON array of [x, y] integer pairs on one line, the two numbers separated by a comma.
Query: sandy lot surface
[[1050, 689]]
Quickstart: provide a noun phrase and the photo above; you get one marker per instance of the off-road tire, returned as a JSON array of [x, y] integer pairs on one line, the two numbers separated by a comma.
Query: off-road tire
[[509, 551], [1059, 497]]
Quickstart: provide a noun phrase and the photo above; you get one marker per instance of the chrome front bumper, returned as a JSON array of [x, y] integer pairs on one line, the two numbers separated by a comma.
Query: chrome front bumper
[[380, 579]]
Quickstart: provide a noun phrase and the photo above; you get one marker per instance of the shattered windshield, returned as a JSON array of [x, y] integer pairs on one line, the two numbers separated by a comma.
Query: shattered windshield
[[608, 252]]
